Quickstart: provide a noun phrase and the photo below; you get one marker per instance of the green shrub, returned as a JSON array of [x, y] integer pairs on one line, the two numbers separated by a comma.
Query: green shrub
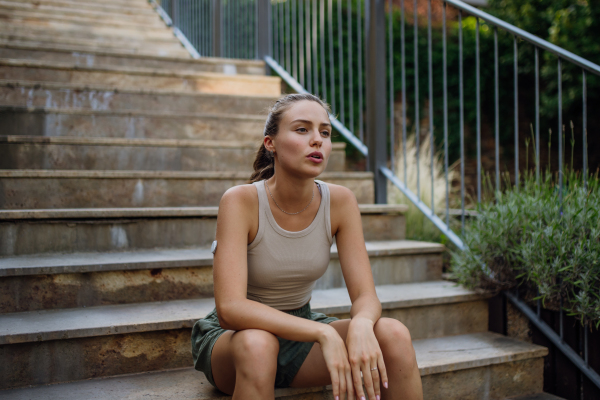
[[525, 239]]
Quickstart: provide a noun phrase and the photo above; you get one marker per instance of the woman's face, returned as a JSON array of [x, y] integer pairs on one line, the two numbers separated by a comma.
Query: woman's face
[[303, 142]]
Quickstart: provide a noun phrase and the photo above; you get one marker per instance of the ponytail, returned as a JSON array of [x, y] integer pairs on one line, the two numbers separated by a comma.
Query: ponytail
[[264, 163]]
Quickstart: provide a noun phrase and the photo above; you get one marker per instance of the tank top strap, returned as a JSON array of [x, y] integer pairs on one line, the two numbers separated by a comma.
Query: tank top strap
[[263, 203], [326, 200]]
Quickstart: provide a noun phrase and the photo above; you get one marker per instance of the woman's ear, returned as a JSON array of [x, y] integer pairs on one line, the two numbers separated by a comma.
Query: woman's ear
[[269, 143]]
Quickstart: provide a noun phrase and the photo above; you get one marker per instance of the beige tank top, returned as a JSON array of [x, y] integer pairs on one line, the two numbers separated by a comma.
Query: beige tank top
[[283, 266]]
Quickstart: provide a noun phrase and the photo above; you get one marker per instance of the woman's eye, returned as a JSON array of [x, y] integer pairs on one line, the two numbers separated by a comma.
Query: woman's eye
[[325, 133], [301, 130]]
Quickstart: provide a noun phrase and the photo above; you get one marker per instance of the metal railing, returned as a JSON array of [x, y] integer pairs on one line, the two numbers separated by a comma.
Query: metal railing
[[337, 50]]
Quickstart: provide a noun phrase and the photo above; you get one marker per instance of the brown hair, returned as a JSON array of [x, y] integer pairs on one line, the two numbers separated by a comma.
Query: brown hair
[[264, 162]]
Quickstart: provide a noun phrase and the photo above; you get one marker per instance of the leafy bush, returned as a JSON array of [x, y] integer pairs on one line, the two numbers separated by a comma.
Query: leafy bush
[[526, 239]]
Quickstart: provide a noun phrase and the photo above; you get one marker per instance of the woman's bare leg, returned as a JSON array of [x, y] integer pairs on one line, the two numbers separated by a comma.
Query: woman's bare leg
[[244, 364], [398, 354]]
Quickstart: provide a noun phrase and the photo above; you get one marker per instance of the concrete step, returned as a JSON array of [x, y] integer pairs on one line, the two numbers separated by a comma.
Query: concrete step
[[128, 4], [84, 153], [124, 46], [125, 124], [75, 280], [82, 56], [31, 189], [147, 78], [30, 232], [70, 12], [98, 35], [114, 340], [106, 98], [134, 8]]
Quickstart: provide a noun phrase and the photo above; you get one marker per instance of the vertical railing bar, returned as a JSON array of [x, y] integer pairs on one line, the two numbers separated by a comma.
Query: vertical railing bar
[[391, 82], [229, 36], [430, 81], [288, 36], [281, 34], [308, 47], [585, 344], [537, 115], [331, 56], [359, 58], [561, 312], [341, 60], [478, 109], [301, 35], [496, 110], [256, 29], [560, 140], [585, 155], [462, 123], [249, 36], [445, 72], [350, 67], [275, 21], [322, 48], [403, 68], [417, 120], [314, 48], [516, 112], [294, 41]]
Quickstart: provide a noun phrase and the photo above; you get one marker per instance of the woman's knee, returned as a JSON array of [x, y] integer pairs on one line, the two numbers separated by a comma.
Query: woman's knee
[[394, 339], [255, 350]]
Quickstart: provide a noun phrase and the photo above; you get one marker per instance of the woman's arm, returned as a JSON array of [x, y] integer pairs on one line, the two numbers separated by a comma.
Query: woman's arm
[[362, 346]]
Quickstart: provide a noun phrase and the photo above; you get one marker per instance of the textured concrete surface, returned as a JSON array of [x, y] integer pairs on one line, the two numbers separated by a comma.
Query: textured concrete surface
[[83, 56], [537, 396], [81, 153], [92, 124], [72, 189], [118, 319], [104, 98], [30, 283], [130, 77], [473, 366], [29, 232]]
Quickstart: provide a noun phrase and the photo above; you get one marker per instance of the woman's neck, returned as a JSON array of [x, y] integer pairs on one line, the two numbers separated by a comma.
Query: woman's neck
[[291, 192]]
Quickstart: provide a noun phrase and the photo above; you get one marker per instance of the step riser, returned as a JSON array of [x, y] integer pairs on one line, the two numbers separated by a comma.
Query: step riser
[[35, 193], [74, 15], [119, 80], [130, 126], [59, 291], [82, 358], [69, 236], [81, 58], [497, 382], [107, 100], [156, 49], [91, 31], [125, 8], [137, 158]]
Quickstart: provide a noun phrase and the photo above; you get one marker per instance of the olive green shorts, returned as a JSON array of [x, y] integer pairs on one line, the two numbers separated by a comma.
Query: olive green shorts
[[291, 355]]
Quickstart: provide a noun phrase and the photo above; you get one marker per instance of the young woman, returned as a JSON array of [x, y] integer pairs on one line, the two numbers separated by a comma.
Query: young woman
[[274, 238]]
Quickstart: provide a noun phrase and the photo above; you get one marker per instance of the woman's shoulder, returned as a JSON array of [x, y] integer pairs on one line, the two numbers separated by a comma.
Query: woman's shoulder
[[241, 197], [340, 195]]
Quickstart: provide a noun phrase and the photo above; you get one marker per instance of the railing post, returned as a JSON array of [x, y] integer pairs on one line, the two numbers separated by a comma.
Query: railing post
[[217, 28], [174, 16], [264, 31], [377, 120]]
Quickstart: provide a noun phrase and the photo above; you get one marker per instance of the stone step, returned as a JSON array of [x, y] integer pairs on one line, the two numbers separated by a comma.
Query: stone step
[[124, 46], [87, 28], [30, 232], [105, 98], [71, 12], [31, 189], [82, 56], [471, 366], [84, 153], [120, 339], [43, 282], [137, 77], [87, 3], [130, 8], [125, 124]]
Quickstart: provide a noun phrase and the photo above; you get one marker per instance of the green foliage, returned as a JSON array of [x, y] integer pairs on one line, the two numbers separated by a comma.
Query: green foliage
[[526, 239]]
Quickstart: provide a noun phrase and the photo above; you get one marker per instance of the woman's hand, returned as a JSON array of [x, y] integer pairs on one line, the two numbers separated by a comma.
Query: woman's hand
[[365, 356], [336, 358]]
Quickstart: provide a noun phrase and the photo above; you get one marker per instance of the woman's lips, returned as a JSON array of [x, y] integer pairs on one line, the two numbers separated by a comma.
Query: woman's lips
[[316, 157]]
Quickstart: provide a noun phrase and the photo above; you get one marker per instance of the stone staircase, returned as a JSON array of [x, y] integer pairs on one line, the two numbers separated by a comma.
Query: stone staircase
[[115, 148]]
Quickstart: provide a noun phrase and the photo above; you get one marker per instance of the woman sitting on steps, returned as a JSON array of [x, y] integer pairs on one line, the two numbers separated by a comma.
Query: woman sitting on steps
[[274, 238]]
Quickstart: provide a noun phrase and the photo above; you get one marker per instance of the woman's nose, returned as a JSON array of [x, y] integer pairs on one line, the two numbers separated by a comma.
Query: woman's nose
[[316, 138]]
